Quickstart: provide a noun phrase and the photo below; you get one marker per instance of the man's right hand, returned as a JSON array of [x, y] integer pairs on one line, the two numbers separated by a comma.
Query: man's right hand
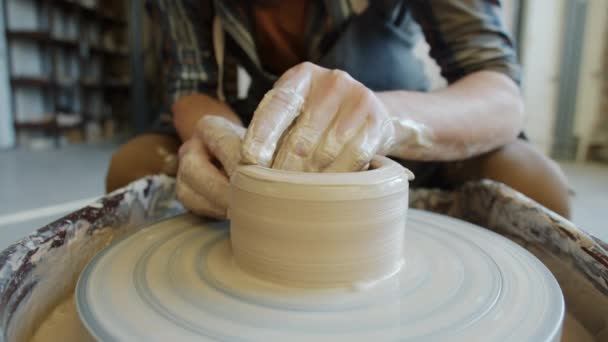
[[206, 162]]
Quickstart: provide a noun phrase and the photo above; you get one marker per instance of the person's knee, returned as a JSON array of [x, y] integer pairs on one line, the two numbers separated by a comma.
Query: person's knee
[[527, 170], [120, 172], [144, 155]]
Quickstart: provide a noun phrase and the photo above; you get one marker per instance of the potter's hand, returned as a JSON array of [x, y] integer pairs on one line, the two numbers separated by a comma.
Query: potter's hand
[[206, 161], [316, 119]]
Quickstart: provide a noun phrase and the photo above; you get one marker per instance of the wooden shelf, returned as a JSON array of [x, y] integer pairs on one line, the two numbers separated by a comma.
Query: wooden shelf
[[106, 84], [72, 126], [96, 117], [50, 125], [91, 85], [66, 43], [25, 81], [79, 125], [28, 35], [41, 125], [40, 82], [43, 37], [112, 19], [109, 52], [117, 84]]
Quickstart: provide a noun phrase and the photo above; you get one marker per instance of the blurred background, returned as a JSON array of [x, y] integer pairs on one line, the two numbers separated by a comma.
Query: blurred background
[[79, 77]]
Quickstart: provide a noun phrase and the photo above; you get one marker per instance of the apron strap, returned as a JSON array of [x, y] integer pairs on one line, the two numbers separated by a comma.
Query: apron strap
[[218, 49]]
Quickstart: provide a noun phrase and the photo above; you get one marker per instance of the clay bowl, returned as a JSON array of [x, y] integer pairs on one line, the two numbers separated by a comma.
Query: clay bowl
[[41, 270], [332, 229]]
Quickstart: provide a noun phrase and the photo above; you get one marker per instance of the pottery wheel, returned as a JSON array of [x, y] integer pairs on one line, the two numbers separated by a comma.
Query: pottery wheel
[[176, 280]]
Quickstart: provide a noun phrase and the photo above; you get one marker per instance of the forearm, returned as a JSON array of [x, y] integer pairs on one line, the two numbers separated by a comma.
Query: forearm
[[189, 109], [477, 114]]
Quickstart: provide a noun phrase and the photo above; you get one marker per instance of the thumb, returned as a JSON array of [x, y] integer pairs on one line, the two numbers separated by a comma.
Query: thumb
[[223, 140]]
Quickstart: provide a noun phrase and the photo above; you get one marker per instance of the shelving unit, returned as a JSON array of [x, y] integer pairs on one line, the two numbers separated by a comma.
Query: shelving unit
[[69, 68]]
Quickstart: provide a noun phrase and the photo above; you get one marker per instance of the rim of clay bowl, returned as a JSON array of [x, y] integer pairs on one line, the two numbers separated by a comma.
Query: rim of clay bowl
[[384, 178]]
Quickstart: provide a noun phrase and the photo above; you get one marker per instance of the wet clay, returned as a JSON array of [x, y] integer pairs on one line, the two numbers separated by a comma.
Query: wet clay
[[62, 324], [574, 331], [319, 229]]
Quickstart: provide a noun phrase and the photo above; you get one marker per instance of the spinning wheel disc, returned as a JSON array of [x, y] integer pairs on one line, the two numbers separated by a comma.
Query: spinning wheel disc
[[177, 280]]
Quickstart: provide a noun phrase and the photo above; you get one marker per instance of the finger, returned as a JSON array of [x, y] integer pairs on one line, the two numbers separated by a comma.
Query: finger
[[223, 139], [197, 203], [201, 175], [275, 113], [316, 118], [360, 150], [345, 127]]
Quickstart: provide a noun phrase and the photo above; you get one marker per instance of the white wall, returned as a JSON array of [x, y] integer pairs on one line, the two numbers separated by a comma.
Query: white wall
[[509, 13], [541, 48], [590, 81]]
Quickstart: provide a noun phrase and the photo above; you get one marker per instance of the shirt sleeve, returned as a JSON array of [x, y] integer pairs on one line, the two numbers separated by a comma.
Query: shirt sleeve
[[467, 36], [187, 46]]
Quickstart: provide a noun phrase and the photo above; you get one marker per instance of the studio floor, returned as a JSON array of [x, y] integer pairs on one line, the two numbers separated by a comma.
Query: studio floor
[[38, 187]]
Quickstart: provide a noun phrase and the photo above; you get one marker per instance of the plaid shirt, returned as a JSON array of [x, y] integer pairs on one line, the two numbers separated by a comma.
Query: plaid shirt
[[464, 36]]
